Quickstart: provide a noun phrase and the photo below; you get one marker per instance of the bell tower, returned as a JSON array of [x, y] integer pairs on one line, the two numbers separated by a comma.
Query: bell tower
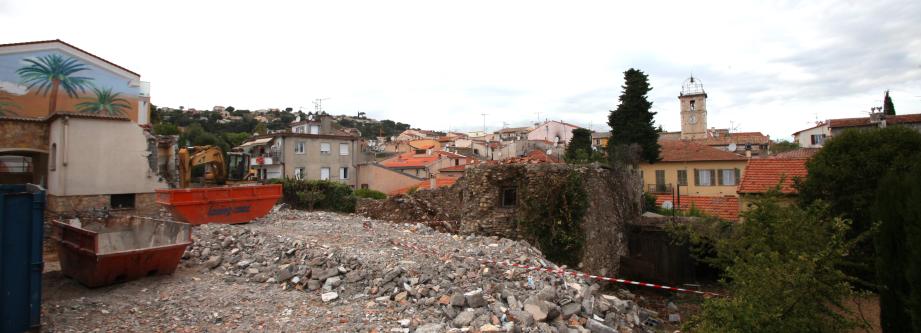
[[693, 100]]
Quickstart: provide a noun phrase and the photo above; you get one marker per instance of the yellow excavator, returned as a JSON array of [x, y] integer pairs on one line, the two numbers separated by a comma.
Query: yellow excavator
[[217, 170]]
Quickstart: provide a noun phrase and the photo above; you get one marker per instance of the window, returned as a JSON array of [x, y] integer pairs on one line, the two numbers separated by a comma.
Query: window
[[54, 156], [324, 148], [704, 177], [314, 129], [682, 178], [728, 177], [344, 173], [456, 162], [299, 147], [299, 173], [420, 151], [324, 173], [343, 149], [660, 177], [299, 129], [121, 201], [692, 104], [818, 139], [509, 197]]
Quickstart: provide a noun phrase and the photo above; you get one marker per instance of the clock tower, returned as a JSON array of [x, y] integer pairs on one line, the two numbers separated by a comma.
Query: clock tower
[[693, 100]]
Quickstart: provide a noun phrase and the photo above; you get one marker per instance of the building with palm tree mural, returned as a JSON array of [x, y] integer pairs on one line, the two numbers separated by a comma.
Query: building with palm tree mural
[[72, 118]]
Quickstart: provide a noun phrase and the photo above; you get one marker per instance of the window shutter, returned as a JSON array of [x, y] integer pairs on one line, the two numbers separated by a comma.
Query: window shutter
[[712, 177], [738, 177], [696, 178], [812, 138], [719, 177]]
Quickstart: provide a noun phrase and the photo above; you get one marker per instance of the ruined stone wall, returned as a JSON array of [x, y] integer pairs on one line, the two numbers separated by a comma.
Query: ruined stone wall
[[474, 205], [144, 204]]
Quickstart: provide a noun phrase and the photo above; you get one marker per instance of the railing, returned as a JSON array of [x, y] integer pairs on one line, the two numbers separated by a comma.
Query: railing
[[268, 158], [659, 188]]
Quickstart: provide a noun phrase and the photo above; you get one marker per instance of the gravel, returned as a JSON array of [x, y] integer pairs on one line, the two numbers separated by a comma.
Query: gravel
[[325, 272]]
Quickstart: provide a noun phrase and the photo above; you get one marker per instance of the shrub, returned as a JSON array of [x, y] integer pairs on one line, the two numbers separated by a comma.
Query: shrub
[[318, 194], [649, 202], [552, 215], [370, 194]]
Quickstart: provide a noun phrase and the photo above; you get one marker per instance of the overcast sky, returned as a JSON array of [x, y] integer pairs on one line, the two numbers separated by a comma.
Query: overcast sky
[[773, 67]]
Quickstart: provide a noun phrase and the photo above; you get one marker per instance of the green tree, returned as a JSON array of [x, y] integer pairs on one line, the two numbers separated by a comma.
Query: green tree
[[165, 129], [236, 138], [845, 174], [229, 109], [52, 72], [106, 101], [632, 122], [898, 248], [782, 146], [888, 107], [781, 272], [579, 149], [261, 129]]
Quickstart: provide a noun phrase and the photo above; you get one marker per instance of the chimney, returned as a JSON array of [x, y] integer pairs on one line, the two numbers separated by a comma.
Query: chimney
[[432, 182], [748, 154]]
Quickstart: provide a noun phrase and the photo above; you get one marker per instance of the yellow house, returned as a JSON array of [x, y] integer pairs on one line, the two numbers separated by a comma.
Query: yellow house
[[693, 169]]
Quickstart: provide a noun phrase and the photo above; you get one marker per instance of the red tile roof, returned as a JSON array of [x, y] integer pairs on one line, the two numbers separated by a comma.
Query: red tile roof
[[454, 168], [725, 207], [865, 121], [763, 174], [411, 160], [737, 138], [797, 153], [534, 157], [426, 185], [686, 151]]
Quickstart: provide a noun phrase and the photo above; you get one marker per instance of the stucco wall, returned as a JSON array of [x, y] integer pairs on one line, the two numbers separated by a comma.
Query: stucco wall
[[671, 176], [99, 156], [804, 138], [312, 160], [379, 178]]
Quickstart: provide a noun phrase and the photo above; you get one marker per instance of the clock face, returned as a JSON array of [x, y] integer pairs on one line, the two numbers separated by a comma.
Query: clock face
[[692, 119]]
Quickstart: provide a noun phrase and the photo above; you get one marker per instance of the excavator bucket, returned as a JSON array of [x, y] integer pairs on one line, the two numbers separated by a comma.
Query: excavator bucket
[[225, 204]]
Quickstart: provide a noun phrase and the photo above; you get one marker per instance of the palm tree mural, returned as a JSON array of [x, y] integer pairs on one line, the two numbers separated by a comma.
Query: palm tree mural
[[106, 101], [6, 107], [51, 73]]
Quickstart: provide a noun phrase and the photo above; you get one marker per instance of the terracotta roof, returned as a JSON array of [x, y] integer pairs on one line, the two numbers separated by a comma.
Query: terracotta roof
[[77, 48], [514, 130], [820, 124], [427, 184], [57, 114], [454, 168], [686, 151], [763, 174], [411, 160], [534, 157], [725, 207], [737, 138], [423, 144], [865, 121], [449, 154], [598, 135], [797, 153]]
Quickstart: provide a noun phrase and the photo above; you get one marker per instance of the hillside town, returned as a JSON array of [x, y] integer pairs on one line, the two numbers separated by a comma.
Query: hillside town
[[122, 215]]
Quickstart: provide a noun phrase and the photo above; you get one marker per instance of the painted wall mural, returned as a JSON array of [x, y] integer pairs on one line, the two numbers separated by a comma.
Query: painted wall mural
[[37, 83]]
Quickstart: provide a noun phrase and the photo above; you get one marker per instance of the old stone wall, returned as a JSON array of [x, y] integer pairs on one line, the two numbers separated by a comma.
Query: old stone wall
[[144, 204], [23, 134], [474, 205]]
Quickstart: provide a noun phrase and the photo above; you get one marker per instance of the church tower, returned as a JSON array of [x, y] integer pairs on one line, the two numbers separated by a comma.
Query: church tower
[[693, 100]]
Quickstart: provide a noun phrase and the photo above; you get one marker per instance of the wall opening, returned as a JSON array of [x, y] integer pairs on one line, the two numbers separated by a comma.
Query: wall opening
[[121, 201]]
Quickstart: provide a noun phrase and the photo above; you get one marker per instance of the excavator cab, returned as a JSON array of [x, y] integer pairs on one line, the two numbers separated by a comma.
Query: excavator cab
[[238, 164]]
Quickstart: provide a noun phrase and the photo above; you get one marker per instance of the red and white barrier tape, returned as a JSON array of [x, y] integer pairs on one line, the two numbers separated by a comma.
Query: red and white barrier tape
[[560, 272]]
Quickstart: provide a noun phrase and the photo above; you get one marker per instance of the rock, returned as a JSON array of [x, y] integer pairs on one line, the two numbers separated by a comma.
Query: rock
[[330, 296], [353, 276], [538, 310], [323, 275], [213, 262], [284, 272], [672, 307], [244, 263], [674, 317], [524, 318], [553, 310], [475, 299], [404, 322], [392, 274], [332, 283], [313, 284], [597, 327], [458, 300], [490, 328], [431, 328], [464, 318], [399, 297], [570, 309], [513, 303]]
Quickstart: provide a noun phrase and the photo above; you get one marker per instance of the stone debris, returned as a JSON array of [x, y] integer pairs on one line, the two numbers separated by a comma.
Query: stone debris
[[315, 271]]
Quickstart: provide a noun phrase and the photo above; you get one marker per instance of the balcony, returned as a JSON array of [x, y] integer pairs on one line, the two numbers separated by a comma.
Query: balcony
[[271, 158], [658, 188]]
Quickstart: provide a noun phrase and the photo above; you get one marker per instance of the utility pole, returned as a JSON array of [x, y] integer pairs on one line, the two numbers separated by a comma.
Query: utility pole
[[538, 117], [484, 122]]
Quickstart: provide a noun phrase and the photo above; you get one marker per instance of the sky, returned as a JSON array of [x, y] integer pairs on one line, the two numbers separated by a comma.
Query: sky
[[769, 66]]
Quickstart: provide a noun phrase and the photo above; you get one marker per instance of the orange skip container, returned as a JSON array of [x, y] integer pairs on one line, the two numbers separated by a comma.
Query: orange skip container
[[226, 204]]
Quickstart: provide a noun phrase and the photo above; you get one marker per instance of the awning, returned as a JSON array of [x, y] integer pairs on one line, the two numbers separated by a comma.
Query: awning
[[257, 142]]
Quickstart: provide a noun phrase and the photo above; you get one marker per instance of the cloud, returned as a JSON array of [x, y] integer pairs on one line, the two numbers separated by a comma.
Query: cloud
[[13, 88]]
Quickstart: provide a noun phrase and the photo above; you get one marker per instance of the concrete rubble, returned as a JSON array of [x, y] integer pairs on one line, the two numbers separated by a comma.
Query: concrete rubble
[[316, 271]]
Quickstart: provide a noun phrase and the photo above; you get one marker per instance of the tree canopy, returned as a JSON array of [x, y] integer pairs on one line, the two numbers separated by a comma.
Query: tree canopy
[[579, 149], [632, 122], [888, 107]]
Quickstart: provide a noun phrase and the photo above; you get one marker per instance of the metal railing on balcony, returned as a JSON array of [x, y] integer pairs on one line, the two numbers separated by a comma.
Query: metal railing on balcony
[[659, 188]]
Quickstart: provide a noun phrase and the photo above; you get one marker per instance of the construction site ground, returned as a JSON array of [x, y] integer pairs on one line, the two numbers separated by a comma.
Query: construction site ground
[[228, 296]]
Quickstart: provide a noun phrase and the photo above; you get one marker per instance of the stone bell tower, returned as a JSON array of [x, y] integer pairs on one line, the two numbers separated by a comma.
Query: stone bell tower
[[693, 100]]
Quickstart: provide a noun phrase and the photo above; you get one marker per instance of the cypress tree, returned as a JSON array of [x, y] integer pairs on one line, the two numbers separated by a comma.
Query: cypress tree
[[888, 107], [632, 122], [579, 149], [898, 248]]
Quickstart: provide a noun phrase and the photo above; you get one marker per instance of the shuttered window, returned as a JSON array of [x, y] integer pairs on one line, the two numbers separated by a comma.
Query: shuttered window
[[682, 178]]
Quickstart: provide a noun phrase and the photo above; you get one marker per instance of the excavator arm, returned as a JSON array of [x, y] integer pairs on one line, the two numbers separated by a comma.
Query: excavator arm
[[211, 156]]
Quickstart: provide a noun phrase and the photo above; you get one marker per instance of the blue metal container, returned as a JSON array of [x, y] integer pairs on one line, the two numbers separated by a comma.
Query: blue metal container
[[22, 210]]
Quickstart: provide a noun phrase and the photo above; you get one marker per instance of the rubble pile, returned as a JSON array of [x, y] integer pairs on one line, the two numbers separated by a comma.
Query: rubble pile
[[350, 260]]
